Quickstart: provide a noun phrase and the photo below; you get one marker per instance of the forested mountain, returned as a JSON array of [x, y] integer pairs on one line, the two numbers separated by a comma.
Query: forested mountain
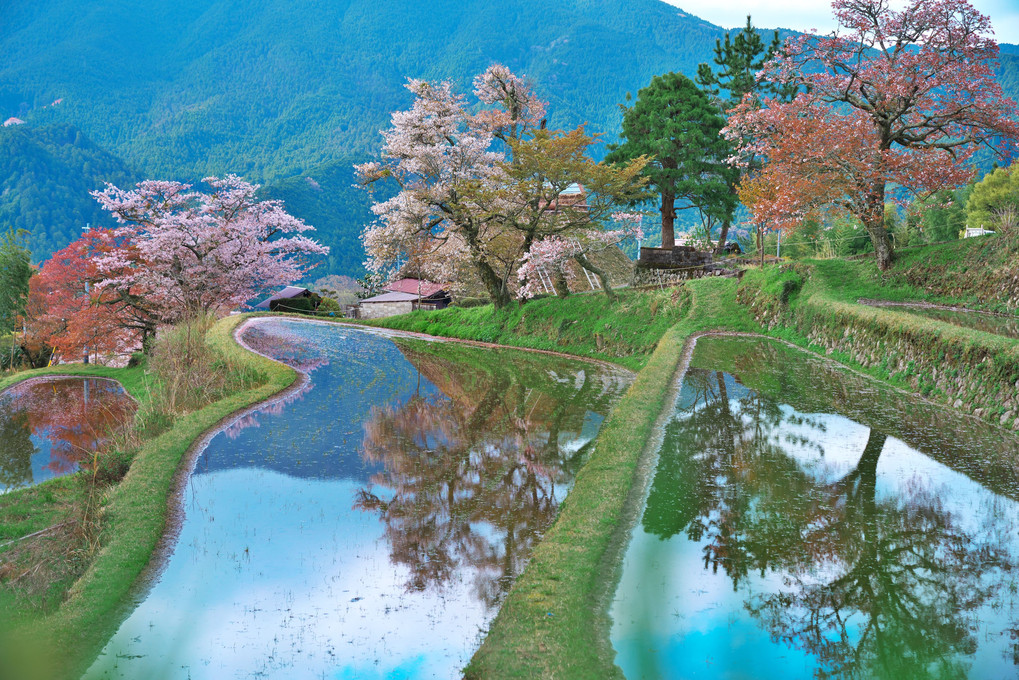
[[279, 91], [45, 176]]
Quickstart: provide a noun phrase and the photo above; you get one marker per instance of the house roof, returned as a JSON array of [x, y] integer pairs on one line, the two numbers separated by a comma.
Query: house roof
[[13, 121], [285, 294], [410, 285], [393, 297]]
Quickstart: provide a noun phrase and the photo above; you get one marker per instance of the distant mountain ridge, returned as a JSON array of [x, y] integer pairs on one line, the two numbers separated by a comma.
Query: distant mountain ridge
[[281, 90]]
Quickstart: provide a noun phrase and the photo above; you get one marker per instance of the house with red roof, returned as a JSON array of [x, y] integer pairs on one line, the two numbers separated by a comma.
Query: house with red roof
[[403, 296]]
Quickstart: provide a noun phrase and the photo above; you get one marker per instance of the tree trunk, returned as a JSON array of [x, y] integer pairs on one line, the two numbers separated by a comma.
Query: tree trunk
[[497, 292], [723, 238], [562, 287], [602, 278], [874, 223], [668, 217]]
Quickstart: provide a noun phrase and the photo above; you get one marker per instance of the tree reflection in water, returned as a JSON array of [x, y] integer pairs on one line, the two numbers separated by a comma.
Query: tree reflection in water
[[61, 420], [871, 586], [473, 476]]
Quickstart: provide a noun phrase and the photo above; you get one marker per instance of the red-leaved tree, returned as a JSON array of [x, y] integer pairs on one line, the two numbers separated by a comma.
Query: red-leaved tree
[[69, 313], [890, 100]]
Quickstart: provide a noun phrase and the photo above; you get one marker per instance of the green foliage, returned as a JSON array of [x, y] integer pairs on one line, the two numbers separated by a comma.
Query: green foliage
[[675, 123], [943, 215], [738, 61], [994, 201], [45, 176], [15, 271], [329, 305], [300, 305]]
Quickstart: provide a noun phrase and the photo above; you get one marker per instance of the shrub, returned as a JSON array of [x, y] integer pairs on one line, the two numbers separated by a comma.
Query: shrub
[[298, 305], [468, 302], [329, 305]]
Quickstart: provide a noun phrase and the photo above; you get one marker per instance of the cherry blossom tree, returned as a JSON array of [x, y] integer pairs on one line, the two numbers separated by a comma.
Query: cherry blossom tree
[[891, 101], [550, 257], [476, 189], [179, 252]]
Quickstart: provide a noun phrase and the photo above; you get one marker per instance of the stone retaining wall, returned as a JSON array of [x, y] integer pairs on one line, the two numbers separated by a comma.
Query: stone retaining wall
[[944, 363]]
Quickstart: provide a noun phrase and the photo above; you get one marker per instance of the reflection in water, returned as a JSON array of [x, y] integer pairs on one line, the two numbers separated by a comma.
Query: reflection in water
[[365, 527], [49, 427], [496, 450], [782, 539]]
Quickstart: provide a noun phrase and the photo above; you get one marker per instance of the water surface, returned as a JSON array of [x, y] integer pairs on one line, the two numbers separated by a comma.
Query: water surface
[[370, 525], [51, 426], [805, 522]]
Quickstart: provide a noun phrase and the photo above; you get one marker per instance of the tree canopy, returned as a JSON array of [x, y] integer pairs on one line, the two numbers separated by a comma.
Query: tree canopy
[[891, 98], [15, 271], [994, 202], [674, 123]]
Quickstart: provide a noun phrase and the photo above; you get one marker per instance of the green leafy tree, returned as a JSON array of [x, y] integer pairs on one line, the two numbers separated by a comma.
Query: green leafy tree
[[994, 203], [738, 59], [15, 271], [676, 123]]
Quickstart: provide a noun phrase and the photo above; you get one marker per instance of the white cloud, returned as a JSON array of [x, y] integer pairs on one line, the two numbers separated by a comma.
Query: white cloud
[[803, 15]]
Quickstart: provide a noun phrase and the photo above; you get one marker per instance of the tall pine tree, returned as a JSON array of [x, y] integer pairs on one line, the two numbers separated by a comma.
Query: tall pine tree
[[738, 59], [676, 123]]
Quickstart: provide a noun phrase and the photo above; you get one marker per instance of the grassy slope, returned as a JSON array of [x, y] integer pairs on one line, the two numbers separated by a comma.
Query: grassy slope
[[624, 332], [136, 515], [552, 623]]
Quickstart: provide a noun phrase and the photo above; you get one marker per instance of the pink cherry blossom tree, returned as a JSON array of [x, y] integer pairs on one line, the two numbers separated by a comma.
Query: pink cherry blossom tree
[[178, 252], [478, 182], [892, 100], [548, 260]]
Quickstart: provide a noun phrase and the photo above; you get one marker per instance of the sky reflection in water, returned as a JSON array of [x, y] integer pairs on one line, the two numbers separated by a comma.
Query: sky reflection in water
[[804, 522], [49, 427], [368, 526]]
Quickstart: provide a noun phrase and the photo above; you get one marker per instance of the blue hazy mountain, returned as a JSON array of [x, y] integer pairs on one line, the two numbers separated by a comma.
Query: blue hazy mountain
[[290, 92]]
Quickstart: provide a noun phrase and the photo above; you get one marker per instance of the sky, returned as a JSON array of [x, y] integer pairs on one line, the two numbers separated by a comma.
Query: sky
[[806, 14]]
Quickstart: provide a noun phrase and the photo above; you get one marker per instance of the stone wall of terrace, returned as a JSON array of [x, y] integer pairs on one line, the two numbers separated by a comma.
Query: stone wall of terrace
[[955, 366]]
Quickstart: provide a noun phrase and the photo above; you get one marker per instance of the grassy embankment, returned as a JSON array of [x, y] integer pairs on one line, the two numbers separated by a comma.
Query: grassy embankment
[[624, 332], [60, 640]]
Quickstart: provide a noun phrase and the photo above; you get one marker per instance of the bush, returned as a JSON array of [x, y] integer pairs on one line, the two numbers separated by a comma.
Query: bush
[[468, 302], [298, 305], [329, 305]]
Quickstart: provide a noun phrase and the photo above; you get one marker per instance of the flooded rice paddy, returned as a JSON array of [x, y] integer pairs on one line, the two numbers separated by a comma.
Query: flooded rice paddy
[[805, 522], [369, 525], [996, 324], [51, 426]]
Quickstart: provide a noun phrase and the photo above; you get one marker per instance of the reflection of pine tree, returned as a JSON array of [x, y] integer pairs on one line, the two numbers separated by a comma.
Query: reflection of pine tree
[[16, 447], [873, 588], [883, 588], [473, 473]]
